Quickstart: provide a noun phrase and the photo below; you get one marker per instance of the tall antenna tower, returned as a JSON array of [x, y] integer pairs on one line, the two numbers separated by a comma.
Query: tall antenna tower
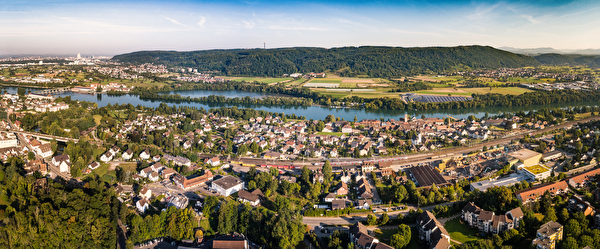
[[265, 45]]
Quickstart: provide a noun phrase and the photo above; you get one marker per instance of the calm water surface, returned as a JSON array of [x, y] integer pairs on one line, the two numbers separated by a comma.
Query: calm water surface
[[312, 112]]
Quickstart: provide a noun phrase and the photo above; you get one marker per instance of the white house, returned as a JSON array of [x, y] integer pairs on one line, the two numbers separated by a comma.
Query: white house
[[63, 162], [44, 150], [146, 193], [153, 176], [329, 197], [250, 197], [127, 155], [106, 156], [145, 155], [364, 204], [214, 161], [227, 185], [94, 165], [142, 205]]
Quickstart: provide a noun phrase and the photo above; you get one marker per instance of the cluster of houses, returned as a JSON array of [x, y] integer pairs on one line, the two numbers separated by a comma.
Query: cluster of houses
[[432, 231], [200, 77], [488, 222], [359, 235], [32, 102], [576, 85]]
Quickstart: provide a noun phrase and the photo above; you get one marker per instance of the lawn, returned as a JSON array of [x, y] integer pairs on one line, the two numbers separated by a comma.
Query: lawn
[[97, 118], [102, 170], [330, 133], [130, 166], [460, 232], [414, 236], [384, 235]]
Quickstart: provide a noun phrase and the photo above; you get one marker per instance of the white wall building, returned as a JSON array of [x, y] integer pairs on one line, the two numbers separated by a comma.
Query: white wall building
[[227, 185]]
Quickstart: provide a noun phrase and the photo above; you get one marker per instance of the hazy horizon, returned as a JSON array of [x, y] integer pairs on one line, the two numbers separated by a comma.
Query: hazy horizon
[[108, 28]]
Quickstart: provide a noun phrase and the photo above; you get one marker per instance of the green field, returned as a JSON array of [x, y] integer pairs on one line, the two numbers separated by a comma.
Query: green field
[[500, 90], [434, 92], [378, 93], [460, 232], [477, 90], [326, 80], [258, 79]]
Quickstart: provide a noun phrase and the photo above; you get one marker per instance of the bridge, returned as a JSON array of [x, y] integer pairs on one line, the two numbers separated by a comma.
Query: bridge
[[53, 90]]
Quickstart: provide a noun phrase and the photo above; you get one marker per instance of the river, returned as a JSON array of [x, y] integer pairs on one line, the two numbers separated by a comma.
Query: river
[[312, 112]]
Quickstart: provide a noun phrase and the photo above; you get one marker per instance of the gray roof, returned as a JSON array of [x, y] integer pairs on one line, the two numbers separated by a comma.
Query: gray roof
[[227, 182]]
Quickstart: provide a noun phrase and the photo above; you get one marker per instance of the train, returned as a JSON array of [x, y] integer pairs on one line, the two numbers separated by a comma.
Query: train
[[362, 162], [320, 163]]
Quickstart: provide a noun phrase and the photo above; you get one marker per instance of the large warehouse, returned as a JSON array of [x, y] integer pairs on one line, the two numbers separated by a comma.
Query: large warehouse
[[425, 176], [527, 157]]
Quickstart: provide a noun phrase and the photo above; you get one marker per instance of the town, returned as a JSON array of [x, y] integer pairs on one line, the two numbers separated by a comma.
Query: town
[[444, 181]]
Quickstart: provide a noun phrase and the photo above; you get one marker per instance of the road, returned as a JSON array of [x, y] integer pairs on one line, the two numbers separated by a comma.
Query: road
[[344, 220]]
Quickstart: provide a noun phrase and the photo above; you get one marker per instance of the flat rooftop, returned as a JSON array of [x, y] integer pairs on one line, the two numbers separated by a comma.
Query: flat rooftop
[[537, 169], [427, 176], [510, 180], [524, 154]]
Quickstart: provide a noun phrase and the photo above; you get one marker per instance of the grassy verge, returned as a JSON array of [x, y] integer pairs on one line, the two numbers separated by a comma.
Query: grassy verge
[[460, 231], [330, 133]]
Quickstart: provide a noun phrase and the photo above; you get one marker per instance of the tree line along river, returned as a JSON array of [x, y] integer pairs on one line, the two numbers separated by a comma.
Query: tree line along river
[[310, 112]]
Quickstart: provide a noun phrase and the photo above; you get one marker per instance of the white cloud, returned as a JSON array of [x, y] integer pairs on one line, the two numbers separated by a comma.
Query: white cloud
[[202, 21], [483, 11], [248, 25], [530, 19], [175, 21], [280, 27]]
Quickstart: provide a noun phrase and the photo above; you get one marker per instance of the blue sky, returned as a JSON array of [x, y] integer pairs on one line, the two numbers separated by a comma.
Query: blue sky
[[114, 27]]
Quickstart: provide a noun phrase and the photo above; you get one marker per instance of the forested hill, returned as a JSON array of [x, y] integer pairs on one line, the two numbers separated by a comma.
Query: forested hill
[[569, 60], [346, 61]]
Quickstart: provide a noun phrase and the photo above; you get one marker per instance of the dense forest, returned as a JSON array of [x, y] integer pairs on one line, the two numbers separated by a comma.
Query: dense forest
[[569, 60], [50, 214], [345, 61]]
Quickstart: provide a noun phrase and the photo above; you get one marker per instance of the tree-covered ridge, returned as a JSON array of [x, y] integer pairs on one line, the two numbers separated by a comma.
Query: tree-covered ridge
[[346, 61], [47, 214], [572, 60]]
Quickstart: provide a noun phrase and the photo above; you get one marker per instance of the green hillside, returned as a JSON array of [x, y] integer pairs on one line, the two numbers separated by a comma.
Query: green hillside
[[346, 61], [569, 60]]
